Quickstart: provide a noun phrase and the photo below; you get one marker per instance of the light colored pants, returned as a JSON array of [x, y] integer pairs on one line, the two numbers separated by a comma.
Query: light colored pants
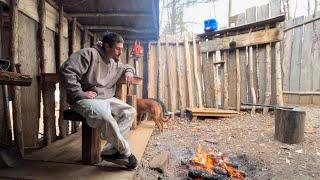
[[114, 118]]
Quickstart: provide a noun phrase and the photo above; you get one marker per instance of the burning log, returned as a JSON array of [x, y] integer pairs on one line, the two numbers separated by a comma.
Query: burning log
[[220, 170], [205, 175]]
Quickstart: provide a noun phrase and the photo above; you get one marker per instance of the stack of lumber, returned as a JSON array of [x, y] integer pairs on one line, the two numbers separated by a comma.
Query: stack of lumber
[[211, 112]]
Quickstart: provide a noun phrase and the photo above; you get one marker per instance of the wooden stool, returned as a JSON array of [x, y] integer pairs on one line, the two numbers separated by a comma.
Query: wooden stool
[[91, 143]]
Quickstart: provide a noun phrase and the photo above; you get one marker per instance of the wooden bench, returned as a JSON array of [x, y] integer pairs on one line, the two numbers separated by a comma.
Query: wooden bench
[[91, 143]]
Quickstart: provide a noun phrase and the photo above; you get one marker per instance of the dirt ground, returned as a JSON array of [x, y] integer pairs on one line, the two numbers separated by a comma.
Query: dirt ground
[[249, 137]]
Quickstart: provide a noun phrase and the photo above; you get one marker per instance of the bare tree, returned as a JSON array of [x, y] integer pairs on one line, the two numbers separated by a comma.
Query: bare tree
[[315, 6], [174, 9], [286, 8], [309, 8]]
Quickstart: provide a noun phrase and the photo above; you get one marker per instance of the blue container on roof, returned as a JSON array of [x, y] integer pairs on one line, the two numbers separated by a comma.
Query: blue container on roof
[[210, 25]]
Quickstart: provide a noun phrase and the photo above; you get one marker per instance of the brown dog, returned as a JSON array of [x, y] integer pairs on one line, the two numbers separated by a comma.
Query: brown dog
[[154, 109]]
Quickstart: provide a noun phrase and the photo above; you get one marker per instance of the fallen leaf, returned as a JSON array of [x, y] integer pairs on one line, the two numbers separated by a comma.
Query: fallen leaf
[[299, 151]]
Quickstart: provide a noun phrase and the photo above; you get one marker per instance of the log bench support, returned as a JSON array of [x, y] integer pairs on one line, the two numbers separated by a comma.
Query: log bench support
[[91, 143]]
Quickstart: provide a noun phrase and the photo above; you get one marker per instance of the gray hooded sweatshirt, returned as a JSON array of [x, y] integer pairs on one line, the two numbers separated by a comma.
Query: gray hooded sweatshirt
[[89, 70]]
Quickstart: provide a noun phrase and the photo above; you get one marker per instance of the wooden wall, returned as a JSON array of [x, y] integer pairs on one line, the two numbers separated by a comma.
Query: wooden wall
[[29, 58], [301, 75]]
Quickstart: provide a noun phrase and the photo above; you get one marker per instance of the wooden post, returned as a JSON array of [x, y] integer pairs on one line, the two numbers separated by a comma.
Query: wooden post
[[268, 79], [196, 76], [179, 76], [132, 100], [74, 125], [171, 102], [160, 72], [289, 125], [91, 144], [48, 89], [252, 90], [225, 83], [238, 79], [278, 75], [63, 105], [42, 30], [146, 62], [188, 71], [215, 96], [17, 116], [43, 59]]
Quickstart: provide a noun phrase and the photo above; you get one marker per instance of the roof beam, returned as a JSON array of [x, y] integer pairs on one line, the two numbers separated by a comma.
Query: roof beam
[[113, 14], [119, 28]]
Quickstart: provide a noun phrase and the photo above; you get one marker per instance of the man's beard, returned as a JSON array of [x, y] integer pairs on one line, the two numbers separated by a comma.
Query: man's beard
[[116, 58]]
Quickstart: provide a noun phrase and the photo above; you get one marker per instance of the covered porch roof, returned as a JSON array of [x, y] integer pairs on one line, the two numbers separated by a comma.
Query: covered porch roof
[[133, 19]]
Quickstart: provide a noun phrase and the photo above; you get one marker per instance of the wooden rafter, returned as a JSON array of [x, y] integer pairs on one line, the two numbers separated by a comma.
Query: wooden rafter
[[107, 14], [119, 28]]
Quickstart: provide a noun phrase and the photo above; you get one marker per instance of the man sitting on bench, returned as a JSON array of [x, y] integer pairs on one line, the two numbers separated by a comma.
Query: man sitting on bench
[[90, 76]]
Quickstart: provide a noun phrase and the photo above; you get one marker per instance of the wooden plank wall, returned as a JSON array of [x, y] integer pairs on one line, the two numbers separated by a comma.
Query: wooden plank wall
[[28, 58], [301, 81]]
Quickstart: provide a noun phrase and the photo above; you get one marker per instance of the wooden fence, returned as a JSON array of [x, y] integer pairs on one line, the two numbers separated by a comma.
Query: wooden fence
[[301, 64], [174, 72], [185, 72]]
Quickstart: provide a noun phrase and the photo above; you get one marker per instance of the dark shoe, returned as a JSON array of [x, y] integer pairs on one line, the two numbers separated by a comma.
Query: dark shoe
[[133, 163], [130, 162]]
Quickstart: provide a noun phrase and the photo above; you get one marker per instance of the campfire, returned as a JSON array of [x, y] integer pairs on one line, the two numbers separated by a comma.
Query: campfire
[[213, 165]]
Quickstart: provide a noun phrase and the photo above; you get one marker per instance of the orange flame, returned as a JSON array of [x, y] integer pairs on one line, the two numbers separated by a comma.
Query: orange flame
[[207, 161]]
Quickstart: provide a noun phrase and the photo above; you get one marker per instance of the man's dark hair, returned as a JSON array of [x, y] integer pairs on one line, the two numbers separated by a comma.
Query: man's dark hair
[[112, 38]]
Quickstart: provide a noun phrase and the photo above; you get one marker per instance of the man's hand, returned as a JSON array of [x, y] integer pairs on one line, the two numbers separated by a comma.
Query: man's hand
[[90, 94], [129, 78]]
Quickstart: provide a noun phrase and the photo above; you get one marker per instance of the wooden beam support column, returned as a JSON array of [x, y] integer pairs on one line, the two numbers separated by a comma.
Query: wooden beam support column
[[17, 116], [74, 124], [47, 88], [63, 105]]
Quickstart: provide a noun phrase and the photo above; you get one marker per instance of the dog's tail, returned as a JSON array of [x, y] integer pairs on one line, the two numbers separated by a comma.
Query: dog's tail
[[165, 112]]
